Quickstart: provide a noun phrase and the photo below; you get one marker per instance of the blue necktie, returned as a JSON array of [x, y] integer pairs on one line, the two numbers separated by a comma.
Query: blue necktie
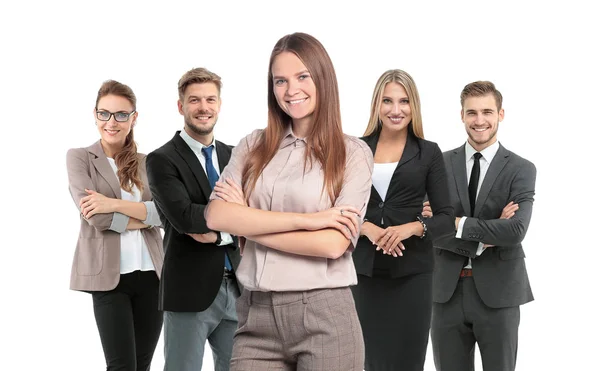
[[213, 176]]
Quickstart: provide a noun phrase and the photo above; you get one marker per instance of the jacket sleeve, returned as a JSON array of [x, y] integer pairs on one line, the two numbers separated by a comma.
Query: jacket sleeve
[[79, 172], [507, 232], [171, 196]]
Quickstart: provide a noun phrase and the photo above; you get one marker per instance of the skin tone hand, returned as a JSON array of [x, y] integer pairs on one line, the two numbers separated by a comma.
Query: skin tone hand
[[96, 203], [427, 213], [391, 240], [343, 218], [210, 237], [375, 233], [230, 192]]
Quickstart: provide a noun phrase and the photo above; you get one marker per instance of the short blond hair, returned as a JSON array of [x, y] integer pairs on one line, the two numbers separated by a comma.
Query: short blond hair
[[197, 76]]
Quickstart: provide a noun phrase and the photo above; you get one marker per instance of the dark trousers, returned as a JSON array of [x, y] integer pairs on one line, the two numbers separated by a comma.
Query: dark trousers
[[395, 315], [129, 321], [457, 324]]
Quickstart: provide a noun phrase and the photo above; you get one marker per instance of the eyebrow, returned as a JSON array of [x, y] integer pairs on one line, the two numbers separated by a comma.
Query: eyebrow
[[197, 97], [297, 74], [386, 97]]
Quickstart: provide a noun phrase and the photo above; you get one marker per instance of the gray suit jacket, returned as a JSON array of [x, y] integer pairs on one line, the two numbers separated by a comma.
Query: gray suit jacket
[[97, 260], [499, 273]]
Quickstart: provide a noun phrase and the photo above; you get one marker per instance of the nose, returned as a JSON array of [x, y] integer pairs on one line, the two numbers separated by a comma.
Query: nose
[[395, 109], [292, 88], [480, 119]]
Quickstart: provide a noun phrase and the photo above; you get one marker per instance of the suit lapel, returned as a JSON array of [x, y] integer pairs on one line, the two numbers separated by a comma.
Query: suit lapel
[[459, 169], [189, 157], [223, 154], [146, 194], [104, 169], [498, 162]]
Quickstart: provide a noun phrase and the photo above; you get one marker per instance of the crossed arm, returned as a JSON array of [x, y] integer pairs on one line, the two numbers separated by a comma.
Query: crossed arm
[[323, 234]]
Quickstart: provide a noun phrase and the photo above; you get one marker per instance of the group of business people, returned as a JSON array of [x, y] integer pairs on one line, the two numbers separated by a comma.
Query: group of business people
[[303, 248]]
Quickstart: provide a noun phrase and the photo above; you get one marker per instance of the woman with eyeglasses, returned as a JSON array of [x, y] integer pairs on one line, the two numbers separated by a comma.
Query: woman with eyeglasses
[[119, 255]]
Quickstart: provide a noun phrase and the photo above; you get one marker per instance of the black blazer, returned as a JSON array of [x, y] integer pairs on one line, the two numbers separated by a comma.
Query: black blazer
[[420, 172], [192, 271]]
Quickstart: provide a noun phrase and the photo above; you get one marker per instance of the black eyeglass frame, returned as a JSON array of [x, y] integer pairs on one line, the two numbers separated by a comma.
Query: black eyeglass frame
[[113, 114]]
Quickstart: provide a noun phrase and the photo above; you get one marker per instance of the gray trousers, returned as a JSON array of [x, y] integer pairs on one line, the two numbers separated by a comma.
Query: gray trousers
[[315, 330], [185, 333], [457, 324]]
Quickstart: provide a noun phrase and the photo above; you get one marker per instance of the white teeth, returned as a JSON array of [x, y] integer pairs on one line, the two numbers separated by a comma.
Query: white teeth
[[480, 130], [202, 117], [297, 101], [396, 119]]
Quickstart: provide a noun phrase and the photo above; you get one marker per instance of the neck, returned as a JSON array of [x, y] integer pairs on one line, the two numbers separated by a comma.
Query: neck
[[482, 146], [205, 139], [389, 136], [301, 127], [110, 150]]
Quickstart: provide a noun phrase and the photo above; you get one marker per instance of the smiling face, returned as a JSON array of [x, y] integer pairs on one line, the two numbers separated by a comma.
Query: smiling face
[[200, 107], [394, 112], [294, 88], [112, 132], [481, 118]]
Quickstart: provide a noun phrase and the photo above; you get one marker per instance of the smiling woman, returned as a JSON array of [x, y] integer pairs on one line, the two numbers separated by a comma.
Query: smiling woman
[[108, 183], [296, 191]]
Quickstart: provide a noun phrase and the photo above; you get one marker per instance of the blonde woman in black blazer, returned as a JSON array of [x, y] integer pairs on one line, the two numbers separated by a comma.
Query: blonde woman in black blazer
[[119, 255], [394, 256]]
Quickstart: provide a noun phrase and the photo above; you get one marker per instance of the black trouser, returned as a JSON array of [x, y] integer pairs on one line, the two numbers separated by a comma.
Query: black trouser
[[129, 321]]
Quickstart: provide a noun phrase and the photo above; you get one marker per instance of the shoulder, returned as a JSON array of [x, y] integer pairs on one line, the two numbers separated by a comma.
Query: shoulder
[[519, 161], [250, 140], [357, 148], [77, 152]]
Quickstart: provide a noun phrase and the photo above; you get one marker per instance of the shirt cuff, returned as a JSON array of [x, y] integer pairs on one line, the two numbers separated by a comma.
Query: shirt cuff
[[119, 223], [152, 217], [461, 224], [226, 239], [480, 249]]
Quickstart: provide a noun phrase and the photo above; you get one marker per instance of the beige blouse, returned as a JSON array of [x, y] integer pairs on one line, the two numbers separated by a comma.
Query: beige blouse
[[285, 186]]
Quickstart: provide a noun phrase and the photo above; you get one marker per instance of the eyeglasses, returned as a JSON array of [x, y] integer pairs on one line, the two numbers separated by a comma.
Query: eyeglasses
[[119, 116]]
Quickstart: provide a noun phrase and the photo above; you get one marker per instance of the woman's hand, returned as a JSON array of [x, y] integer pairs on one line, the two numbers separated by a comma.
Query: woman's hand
[[342, 218], [391, 240], [230, 192], [96, 203]]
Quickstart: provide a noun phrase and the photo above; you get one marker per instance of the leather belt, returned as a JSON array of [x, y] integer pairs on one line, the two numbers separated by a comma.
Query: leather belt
[[466, 273]]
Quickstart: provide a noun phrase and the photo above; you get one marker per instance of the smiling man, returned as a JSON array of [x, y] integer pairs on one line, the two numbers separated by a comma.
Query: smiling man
[[480, 279], [198, 288]]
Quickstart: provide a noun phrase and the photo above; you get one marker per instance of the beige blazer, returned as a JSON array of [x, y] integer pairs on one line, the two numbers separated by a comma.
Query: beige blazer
[[97, 260]]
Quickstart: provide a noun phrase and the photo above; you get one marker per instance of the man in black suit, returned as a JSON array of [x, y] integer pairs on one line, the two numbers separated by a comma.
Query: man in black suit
[[480, 279], [198, 288]]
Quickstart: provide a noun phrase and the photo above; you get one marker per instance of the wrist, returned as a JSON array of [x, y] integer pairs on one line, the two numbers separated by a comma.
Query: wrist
[[115, 205]]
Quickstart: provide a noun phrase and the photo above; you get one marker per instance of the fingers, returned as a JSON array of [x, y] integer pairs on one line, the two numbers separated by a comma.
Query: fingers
[[427, 213], [348, 209], [426, 203], [509, 211], [89, 191]]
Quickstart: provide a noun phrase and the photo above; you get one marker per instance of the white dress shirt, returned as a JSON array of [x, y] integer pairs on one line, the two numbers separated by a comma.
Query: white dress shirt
[[484, 163], [134, 252], [196, 146]]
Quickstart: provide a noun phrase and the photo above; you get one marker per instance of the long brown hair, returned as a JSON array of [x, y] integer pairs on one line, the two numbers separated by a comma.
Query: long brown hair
[[128, 163], [407, 82], [325, 141]]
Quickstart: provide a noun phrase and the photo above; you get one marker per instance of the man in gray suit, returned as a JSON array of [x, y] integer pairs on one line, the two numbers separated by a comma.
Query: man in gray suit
[[480, 279]]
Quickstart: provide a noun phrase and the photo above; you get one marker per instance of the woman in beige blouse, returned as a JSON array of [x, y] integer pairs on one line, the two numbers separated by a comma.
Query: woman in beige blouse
[[297, 192]]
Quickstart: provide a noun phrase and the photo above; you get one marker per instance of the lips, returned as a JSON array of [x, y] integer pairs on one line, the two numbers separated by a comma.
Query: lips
[[396, 119], [480, 130], [297, 101], [111, 132]]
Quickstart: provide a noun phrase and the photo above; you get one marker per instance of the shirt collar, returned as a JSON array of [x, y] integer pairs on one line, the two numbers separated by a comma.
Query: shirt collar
[[193, 143], [289, 137], [488, 153]]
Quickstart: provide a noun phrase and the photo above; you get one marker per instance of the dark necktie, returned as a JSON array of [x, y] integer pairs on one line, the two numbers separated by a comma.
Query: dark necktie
[[474, 181], [213, 176]]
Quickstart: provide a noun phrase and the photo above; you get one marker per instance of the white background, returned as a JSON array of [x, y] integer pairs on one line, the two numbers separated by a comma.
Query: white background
[[55, 54]]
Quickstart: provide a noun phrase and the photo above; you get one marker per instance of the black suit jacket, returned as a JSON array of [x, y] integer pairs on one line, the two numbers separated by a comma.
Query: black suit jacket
[[192, 271], [420, 171], [499, 272]]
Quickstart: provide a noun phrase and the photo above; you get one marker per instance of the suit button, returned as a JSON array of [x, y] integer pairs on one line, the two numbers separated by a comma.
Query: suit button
[[381, 205]]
